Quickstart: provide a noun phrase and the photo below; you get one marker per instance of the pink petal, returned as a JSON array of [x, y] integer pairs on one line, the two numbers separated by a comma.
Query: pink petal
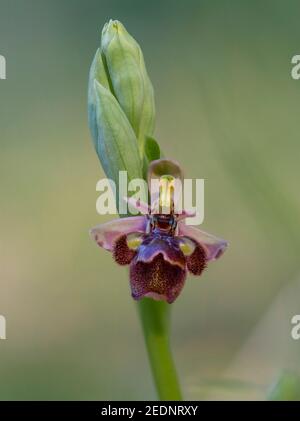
[[106, 234], [213, 246], [185, 214]]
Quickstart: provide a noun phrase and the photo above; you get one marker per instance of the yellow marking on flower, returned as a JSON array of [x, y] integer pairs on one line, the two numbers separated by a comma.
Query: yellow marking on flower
[[134, 240], [187, 246]]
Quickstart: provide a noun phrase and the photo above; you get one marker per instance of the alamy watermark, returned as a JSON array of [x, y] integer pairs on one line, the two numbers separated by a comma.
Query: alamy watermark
[[167, 194], [2, 327], [295, 332], [295, 72], [2, 67]]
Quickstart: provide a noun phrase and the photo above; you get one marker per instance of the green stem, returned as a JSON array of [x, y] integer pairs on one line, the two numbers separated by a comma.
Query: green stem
[[154, 317]]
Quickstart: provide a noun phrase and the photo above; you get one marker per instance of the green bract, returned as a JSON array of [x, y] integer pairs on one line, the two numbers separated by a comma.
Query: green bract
[[116, 143], [119, 67]]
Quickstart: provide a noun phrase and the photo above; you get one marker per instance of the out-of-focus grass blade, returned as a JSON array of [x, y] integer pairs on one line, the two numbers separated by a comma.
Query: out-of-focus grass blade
[[285, 388]]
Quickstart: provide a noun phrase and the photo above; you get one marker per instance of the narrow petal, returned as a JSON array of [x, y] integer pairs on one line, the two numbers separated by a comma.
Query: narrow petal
[[214, 247], [185, 214], [106, 234]]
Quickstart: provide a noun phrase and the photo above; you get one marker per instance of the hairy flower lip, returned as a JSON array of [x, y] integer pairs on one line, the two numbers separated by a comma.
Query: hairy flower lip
[[164, 245], [158, 279]]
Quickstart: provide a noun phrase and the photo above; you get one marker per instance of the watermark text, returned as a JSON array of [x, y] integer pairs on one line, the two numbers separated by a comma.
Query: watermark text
[[2, 67], [295, 332], [161, 196], [2, 327]]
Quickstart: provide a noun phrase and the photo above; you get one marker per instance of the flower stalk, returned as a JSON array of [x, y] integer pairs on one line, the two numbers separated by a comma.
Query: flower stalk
[[155, 319]]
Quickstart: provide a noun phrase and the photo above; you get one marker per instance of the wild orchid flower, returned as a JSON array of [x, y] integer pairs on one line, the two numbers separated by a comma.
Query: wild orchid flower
[[159, 248]]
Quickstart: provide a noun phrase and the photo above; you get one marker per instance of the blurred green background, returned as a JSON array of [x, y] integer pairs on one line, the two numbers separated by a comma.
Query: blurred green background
[[228, 110]]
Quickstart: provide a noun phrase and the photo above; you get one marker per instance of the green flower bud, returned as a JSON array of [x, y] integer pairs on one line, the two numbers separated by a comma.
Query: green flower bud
[[121, 104], [97, 72], [123, 62], [116, 143]]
